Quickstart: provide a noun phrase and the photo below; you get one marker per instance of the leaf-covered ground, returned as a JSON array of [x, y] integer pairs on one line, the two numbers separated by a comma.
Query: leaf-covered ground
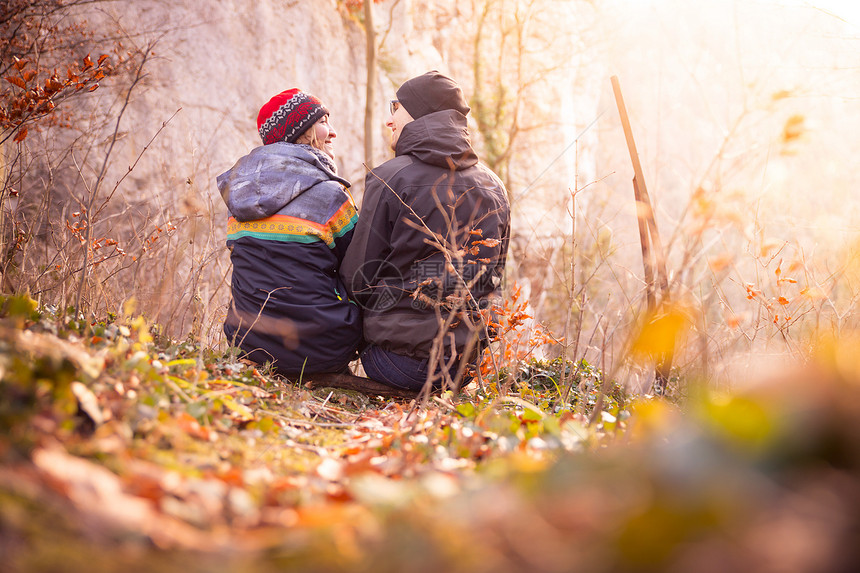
[[120, 452]]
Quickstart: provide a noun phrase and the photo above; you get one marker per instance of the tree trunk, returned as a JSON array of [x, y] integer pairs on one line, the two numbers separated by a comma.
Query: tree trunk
[[369, 116]]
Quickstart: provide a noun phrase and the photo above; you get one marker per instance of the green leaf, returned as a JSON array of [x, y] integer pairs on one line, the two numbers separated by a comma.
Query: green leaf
[[182, 362], [22, 305], [241, 411], [467, 410], [551, 426], [532, 415]]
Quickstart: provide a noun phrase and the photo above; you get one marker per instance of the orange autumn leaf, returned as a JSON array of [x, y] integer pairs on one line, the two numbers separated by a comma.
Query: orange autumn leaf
[[794, 128], [719, 263], [52, 84], [660, 334], [782, 300], [192, 427], [814, 293], [769, 245], [232, 476], [16, 81]]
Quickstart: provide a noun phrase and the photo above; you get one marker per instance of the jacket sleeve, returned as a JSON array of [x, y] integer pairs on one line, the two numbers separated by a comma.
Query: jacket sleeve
[[342, 226]]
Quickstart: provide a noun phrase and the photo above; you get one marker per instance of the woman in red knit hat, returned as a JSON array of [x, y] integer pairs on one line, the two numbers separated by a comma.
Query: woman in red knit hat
[[291, 220]]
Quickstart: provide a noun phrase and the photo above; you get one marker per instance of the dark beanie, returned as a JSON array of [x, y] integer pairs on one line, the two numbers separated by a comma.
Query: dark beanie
[[288, 115], [431, 92]]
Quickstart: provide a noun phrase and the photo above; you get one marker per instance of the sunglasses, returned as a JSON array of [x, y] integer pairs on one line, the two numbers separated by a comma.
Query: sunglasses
[[393, 106]]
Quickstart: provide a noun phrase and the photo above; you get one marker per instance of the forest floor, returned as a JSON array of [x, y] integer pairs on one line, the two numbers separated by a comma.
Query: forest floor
[[120, 450]]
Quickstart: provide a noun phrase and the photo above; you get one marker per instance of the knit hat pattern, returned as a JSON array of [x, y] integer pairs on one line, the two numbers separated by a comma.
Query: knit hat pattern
[[431, 92], [288, 115]]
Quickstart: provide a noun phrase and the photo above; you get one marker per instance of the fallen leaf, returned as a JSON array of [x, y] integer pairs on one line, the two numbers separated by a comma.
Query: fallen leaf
[[330, 469], [192, 427], [88, 403]]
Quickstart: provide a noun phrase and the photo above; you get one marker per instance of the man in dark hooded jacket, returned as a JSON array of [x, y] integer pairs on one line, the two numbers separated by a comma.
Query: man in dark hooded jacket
[[429, 248]]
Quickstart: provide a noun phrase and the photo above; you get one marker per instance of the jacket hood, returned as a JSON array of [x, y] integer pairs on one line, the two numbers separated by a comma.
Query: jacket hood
[[440, 138], [261, 183]]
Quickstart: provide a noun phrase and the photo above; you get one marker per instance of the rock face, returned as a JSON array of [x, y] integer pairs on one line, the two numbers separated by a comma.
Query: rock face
[[220, 64]]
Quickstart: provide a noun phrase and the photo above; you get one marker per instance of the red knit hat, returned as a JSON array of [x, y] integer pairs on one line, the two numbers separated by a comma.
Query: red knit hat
[[288, 115]]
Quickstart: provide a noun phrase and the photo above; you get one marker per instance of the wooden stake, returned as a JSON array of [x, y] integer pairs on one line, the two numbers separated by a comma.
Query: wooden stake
[[643, 202], [649, 237]]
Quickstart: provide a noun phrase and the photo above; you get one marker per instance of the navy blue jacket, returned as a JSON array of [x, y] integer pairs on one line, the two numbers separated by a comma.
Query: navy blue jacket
[[290, 223]]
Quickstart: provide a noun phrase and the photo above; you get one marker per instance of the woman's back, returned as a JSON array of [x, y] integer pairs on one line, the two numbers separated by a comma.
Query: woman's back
[[291, 221]]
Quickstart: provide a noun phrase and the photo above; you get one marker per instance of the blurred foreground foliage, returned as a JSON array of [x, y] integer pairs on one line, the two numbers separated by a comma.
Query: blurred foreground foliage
[[123, 450]]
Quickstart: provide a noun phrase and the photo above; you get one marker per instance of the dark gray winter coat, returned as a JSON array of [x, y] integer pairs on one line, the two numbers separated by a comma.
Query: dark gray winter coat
[[433, 196]]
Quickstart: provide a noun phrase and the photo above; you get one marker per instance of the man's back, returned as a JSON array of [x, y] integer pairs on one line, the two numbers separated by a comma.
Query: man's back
[[431, 240]]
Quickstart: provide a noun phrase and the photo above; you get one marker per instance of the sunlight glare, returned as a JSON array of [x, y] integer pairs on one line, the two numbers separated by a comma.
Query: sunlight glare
[[847, 10]]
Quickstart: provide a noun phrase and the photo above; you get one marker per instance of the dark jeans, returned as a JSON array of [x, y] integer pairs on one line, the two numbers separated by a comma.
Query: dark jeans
[[396, 369]]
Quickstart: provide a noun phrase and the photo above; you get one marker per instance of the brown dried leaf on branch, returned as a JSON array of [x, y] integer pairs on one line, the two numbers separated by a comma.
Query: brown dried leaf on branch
[[33, 85]]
